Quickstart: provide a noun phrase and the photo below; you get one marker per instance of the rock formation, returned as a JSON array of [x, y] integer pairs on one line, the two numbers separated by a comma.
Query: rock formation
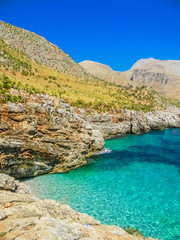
[[134, 122], [162, 75], [46, 135], [25, 217]]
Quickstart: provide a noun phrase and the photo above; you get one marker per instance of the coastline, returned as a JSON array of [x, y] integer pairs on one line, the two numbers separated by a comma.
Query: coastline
[[22, 135], [113, 178], [55, 113], [51, 137], [24, 216]]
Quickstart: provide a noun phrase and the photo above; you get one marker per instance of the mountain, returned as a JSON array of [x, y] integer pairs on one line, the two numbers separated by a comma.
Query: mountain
[[161, 75], [106, 73], [29, 62], [39, 49]]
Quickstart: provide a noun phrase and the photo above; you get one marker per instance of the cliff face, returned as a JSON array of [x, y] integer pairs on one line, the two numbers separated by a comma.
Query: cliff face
[[44, 136], [162, 76], [24, 216]]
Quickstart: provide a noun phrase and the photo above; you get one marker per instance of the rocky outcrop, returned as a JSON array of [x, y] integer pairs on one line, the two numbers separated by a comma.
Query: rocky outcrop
[[42, 136], [128, 121], [25, 217], [10, 184]]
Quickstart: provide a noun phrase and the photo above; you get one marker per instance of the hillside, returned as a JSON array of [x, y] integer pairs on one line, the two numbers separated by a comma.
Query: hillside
[[162, 76], [30, 62], [39, 49]]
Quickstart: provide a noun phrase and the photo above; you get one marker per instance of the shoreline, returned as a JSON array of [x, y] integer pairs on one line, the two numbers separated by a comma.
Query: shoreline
[[101, 163], [37, 140], [47, 219]]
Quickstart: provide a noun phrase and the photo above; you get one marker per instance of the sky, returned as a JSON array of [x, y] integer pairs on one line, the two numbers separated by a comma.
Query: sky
[[112, 32]]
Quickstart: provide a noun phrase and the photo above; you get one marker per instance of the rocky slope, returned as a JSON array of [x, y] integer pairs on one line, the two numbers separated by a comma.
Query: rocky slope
[[163, 76], [39, 49], [25, 217]]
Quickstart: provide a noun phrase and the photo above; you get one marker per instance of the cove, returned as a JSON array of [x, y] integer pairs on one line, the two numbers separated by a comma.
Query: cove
[[135, 182]]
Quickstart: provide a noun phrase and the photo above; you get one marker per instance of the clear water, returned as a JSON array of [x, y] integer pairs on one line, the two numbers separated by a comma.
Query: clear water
[[134, 183]]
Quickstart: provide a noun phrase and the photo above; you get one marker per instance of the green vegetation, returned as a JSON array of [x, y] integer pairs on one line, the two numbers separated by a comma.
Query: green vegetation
[[168, 101], [6, 84]]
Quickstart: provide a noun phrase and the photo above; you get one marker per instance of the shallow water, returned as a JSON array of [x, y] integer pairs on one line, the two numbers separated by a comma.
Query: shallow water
[[135, 182]]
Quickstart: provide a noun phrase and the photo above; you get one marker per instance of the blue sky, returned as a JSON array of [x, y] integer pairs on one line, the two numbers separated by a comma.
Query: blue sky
[[113, 32]]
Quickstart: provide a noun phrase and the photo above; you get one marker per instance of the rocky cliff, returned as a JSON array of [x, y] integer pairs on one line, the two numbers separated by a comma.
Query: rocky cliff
[[47, 135], [42, 136], [128, 121], [25, 217], [163, 76]]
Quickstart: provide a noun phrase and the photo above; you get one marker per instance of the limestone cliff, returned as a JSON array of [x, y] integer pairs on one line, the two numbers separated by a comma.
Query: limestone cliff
[[44, 136]]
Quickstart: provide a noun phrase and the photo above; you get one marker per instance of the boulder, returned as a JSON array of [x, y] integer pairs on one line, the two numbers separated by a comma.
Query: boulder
[[7, 183], [10, 184]]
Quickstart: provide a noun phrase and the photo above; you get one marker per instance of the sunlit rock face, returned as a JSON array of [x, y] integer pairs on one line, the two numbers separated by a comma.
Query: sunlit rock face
[[44, 136]]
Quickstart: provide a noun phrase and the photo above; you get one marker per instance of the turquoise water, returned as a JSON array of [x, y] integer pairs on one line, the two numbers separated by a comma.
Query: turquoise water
[[134, 183]]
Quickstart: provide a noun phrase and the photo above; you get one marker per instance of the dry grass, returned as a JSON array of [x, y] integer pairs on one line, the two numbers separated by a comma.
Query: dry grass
[[93, 93]]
